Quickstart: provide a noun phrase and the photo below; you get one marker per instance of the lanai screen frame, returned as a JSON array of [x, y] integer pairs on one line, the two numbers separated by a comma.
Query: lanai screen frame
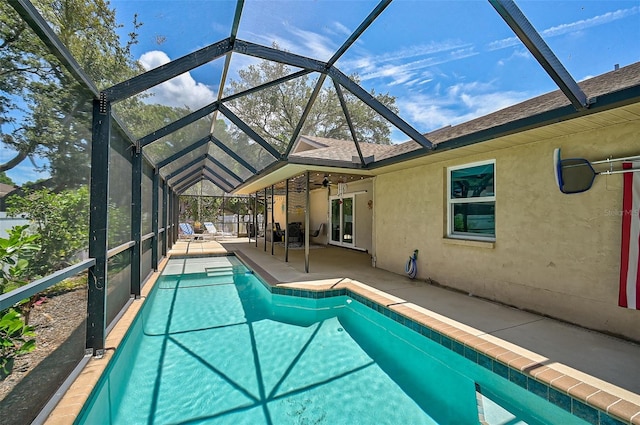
[[207, 167]]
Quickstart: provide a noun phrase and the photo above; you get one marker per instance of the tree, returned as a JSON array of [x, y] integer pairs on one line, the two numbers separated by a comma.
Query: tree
[[275, 112], [6, 179], [45, 112], [61, 221]]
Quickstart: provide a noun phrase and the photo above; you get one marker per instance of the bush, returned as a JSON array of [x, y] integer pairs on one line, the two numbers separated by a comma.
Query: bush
[[16, 339], [61, 220], [15, 253]]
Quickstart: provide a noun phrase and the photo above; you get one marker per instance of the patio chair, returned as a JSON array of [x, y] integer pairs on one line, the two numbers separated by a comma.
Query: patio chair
[[186, 232], [317, 232], [211, 231]]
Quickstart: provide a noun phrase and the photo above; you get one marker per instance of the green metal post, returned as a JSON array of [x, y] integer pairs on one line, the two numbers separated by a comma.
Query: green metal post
[[97, 276], [136, 221]]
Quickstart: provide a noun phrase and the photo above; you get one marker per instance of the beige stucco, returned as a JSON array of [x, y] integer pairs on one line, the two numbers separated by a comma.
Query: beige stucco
[[554, 253]]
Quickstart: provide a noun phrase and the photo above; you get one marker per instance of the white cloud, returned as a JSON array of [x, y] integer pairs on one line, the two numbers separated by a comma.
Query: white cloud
[[570, 27], [338, 29], [403, 73], [180, 91], [459, 103]]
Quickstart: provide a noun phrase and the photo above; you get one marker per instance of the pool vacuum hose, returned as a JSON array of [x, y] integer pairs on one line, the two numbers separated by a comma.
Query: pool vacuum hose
[[411, 268]]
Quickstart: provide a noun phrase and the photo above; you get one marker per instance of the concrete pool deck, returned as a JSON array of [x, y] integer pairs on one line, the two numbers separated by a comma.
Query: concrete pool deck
[[580, 360]]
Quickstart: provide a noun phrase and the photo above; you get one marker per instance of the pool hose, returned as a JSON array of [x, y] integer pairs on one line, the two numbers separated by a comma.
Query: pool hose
[[411, 268]]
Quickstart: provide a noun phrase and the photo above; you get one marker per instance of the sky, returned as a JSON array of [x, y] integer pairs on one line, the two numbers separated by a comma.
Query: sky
[[446, 62]]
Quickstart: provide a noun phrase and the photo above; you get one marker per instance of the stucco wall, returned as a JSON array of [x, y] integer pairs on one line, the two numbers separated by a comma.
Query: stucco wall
[[319, 213], [554, 253]]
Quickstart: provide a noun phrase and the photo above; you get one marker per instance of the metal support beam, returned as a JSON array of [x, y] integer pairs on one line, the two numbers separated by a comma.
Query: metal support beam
[[286, 221], [269, 53], [306, 223], [155, 213], [305, 114], [347, 116], [99, 200], [166, 219], [225, 169], [266, 219], [249, 131], [358, 32], [185, 181], [178, 124], [377, 106], [273, 225], [187, 184], [233, 155], [255, 220], [227, 59], [216, 179], [136, 222], [43, 30], [200, 143], [167, 71], [521, 26], [190, 164], [176, 215]]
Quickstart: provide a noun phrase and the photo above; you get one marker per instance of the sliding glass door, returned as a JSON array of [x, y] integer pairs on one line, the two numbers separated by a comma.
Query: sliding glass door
[[342, 221]]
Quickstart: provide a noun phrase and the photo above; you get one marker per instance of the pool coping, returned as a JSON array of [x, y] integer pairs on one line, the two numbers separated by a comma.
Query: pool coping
[[561, 386]]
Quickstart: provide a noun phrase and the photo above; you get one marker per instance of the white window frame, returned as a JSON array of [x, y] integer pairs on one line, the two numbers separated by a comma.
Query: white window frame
[[451, 201]]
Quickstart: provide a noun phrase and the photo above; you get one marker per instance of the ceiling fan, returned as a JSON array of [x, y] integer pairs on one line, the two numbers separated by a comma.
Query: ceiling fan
[[325, 182]]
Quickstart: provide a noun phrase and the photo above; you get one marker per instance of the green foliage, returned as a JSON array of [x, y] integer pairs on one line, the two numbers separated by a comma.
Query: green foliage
[[61, 220], [6, 179], [46, 111], [16, 339], [15, 252], [275, 112]]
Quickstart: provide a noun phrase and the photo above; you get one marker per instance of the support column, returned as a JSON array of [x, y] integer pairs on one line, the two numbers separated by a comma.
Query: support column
[[99, 201], [286, 221], [307, 213], [273, 224], [165, 218], [266, 219], [154, 220], [136, 221], [255, 219], [176, 216]]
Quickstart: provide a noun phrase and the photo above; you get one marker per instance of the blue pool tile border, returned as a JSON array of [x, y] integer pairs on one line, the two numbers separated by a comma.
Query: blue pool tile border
[[541, 389]]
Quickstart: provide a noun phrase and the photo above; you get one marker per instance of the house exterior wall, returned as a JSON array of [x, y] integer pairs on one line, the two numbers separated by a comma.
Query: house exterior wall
[[319, 213], [554, 253]]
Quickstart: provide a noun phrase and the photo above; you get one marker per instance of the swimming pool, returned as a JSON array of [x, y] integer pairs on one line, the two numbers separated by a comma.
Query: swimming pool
[[213, 344]]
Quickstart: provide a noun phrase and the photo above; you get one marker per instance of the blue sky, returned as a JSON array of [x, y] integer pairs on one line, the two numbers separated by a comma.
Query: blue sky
[[445, 61]]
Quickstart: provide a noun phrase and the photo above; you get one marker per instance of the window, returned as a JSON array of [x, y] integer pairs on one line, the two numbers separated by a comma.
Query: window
[[471, 201]]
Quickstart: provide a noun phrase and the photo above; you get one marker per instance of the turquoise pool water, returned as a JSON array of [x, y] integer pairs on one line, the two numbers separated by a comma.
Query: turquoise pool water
[[213, 345]]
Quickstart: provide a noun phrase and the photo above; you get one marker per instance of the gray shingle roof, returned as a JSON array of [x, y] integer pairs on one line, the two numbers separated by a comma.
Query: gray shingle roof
[[344, 150]]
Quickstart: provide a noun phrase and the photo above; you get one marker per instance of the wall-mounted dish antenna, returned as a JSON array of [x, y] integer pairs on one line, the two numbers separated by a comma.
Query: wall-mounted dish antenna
[[575, 175]]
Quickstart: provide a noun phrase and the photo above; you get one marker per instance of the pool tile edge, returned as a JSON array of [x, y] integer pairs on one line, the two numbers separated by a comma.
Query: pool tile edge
[[595, 405]]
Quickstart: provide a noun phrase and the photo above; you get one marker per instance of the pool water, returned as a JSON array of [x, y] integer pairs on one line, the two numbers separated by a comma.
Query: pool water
[[213, 345]]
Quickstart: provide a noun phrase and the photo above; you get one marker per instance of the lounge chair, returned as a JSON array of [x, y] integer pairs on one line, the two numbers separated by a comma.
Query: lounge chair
[[186, 232], [211, 231]]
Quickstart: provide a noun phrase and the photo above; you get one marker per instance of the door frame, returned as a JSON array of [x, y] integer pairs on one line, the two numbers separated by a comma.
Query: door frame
[[341, 242]]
